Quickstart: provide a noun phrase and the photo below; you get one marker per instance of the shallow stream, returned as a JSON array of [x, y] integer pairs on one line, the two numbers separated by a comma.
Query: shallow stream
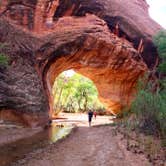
[[17, 150]]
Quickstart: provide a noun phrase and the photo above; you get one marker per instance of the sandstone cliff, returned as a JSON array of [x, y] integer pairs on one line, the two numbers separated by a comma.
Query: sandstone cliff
[[108, 41]]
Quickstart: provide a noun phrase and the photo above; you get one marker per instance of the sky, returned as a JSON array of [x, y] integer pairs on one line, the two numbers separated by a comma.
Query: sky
[[69, 73], [157, 11]]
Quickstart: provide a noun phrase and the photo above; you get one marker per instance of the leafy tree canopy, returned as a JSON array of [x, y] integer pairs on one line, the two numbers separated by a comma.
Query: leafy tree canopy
[[160, 42], [75, 93]]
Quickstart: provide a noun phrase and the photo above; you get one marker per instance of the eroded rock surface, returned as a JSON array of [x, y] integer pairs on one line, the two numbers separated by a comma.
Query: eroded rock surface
[[43, 38]]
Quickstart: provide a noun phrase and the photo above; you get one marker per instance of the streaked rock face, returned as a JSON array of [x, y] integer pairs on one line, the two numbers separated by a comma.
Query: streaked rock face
[[110, 62], [44, 38]]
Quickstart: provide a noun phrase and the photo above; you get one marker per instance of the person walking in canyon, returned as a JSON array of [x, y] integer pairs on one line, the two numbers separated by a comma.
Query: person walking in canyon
[[90, 115]]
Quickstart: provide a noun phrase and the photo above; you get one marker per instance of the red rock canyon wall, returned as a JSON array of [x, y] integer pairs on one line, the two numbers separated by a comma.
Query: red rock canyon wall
[[108, 41]]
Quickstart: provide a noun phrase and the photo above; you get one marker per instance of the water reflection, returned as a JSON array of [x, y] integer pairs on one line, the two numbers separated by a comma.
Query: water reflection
[[17, 150], [59, 131]]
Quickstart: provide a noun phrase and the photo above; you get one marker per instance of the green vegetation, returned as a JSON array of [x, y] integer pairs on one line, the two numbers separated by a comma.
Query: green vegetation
[[149, 107], [75, 94], [160, 41], [148, 111], [3, 59]]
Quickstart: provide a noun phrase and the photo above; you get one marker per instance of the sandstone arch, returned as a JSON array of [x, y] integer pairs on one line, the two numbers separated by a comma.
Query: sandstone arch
[[110, 62], [38, 53]]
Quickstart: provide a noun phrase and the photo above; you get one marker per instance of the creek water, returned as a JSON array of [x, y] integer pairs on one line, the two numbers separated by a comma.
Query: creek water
[[17, 150]]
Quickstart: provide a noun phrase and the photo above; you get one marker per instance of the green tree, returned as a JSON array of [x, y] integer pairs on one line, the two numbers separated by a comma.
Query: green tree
[[75, 93], [160, 42], [150, 106], [85, 93], [58, 89]]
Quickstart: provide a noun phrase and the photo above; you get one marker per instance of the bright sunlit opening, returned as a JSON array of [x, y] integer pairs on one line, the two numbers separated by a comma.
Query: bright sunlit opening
[[74, 93], [69, 73]]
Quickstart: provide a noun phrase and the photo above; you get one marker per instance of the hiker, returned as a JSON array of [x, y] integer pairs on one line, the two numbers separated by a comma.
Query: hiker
[[90, 115]]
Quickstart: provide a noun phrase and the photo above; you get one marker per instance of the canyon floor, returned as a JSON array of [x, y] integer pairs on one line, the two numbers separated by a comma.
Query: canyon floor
[[98, 145]]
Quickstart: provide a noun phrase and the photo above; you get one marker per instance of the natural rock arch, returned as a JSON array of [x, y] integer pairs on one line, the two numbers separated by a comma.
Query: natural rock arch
[[38, 51], [110, 62]]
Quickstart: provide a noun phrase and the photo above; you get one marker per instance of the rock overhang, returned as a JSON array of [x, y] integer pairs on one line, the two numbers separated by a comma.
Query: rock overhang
[[112, 50]]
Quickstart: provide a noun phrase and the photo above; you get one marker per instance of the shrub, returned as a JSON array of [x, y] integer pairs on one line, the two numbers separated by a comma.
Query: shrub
[[150, 110], [3, 59], [160, 42], [149, 106]]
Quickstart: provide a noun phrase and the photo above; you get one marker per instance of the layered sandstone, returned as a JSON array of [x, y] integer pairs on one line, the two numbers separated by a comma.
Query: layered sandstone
[[43, 38], [110, 62]]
